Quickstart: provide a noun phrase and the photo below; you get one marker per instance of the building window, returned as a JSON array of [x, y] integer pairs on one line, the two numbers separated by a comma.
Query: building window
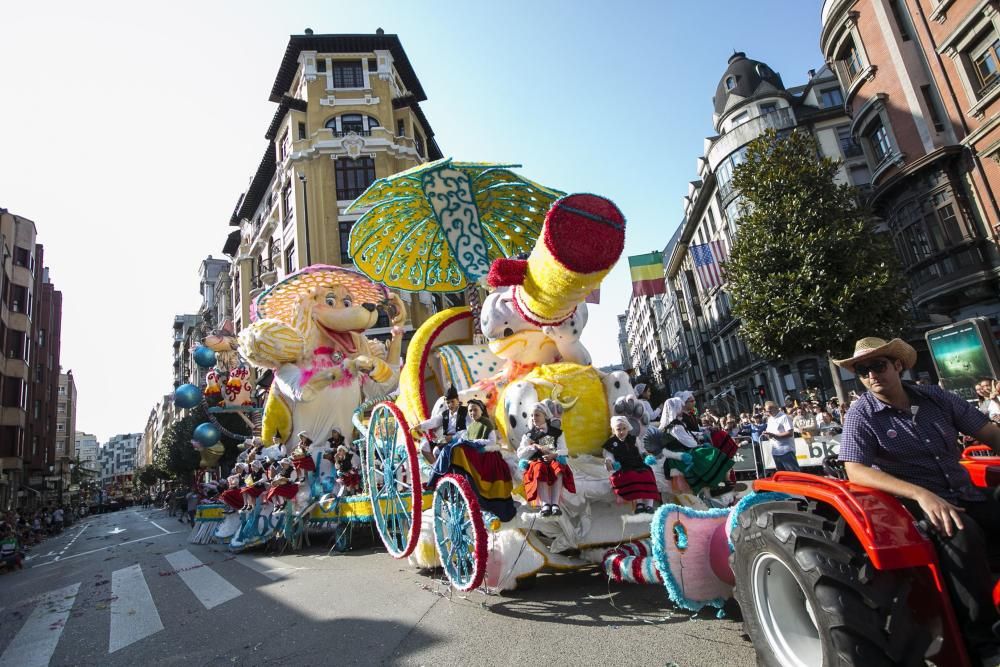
[[286, 202], [302, 130], [739, 119], [848, 146], [352, 122], [321, 65], [22, 257], [770, 107], [902, 22], [831, 97], [285, 146], [418, 143], [987, 65], [345, 227], [930, 99], [19, 298], [400, 127], [730, 82], [290, 259], [851, 58], [348, 74], [354, 176], [373, 65], [878, 140]]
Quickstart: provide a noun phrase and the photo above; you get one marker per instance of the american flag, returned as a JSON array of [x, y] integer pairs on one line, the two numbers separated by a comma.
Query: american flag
[[708, 258]]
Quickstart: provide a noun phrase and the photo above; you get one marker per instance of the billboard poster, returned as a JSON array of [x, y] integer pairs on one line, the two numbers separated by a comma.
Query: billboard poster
[[961, 357]]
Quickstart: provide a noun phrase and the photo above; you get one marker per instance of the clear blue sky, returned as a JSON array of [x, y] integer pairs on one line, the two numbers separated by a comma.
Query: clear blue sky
[[128, 131]]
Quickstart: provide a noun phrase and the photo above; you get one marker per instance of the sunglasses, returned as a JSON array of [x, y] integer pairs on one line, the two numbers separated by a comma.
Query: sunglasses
[[862, 370]]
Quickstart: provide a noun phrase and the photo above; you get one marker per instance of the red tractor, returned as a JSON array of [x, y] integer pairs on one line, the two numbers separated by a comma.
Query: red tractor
[[840, 574]]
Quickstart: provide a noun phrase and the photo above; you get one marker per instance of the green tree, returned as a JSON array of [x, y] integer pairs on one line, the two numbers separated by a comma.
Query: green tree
[[808, 273], [178, 457]]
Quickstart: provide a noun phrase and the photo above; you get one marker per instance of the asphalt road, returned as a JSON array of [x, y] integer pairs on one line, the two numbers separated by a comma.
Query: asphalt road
[[127, 588]]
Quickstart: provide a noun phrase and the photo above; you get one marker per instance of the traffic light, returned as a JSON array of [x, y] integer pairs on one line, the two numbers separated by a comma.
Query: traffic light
[[761, 390]]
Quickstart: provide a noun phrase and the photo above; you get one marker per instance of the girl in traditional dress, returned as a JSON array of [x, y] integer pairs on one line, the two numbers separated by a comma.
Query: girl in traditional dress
[[542, 455], [255, 483], [690, 465], [631, 477], [282, 488], [688, 416], [302, 460], [347, 474], [233, 495]]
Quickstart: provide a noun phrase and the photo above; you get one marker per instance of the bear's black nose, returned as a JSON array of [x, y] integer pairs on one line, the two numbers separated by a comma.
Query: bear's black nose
[[370, 307], [508, 332]]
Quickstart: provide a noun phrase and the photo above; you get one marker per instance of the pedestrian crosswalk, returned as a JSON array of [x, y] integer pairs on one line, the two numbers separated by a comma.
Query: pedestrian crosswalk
[[134, 613]]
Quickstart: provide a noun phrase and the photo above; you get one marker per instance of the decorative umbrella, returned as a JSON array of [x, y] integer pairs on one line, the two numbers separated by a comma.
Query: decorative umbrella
[[439, 226]]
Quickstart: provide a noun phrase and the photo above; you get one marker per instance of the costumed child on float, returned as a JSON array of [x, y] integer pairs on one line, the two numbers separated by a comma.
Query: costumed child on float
[[543, 458], [443, 426], [689, 465], [255, 483], [631, 476], [283, 487]]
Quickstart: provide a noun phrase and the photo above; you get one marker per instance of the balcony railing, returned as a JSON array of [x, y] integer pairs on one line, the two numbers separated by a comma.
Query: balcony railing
[[340, 134]]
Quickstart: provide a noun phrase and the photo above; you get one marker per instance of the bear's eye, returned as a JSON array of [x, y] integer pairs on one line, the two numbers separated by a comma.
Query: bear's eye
[[330, 301], [347, 302]]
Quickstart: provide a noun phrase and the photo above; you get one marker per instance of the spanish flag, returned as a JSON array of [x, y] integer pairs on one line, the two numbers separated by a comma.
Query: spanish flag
[[647, 274]]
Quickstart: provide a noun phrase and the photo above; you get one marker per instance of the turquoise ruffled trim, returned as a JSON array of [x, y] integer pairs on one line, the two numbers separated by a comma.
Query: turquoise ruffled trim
[[657, 536], [650, 460], [746, 502], [563, 460], [616, 466], [523, 464]]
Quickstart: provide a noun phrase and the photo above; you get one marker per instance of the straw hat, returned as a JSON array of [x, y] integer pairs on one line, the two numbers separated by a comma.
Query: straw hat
[[868, 348], [280, 300]]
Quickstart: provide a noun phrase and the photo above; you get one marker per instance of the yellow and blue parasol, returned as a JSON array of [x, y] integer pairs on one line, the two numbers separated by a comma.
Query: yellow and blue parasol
[[439, 226]]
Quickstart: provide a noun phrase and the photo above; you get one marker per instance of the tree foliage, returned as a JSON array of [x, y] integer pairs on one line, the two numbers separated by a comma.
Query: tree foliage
[[808, 273], [178, 457]]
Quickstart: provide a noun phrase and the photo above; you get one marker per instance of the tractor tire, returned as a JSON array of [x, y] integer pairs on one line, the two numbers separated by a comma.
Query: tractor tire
[[811, 597]]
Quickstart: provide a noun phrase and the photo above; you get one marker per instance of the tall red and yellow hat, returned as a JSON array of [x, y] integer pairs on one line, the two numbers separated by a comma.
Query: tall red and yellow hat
[[583, 237]]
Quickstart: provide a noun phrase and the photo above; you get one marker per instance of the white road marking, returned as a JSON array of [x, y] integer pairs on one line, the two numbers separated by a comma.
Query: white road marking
[[35, 643], [208, 586], [272, 568], [160, 527], [116, 530], [110, 546], [133, 612]]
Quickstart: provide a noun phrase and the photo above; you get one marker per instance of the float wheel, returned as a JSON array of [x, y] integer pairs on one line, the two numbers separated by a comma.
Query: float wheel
[[393, 477], [459, 532]]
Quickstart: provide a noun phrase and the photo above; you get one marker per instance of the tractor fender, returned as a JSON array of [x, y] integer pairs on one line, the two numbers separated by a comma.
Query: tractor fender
[[882, 525]]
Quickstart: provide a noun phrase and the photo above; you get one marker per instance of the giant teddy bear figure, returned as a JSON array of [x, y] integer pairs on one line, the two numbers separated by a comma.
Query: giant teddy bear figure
[[309, 331]]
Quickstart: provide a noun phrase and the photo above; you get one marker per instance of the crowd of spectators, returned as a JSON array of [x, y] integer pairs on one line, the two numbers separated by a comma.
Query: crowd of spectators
[[22, 530]]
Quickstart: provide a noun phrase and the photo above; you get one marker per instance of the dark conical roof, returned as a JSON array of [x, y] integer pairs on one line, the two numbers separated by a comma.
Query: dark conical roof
[[747, 75]]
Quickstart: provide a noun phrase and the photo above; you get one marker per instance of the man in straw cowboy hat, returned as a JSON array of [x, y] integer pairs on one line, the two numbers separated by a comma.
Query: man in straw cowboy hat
[[901, 438]]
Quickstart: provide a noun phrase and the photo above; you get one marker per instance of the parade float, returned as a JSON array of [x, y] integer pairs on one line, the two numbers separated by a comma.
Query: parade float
[[458, 227]]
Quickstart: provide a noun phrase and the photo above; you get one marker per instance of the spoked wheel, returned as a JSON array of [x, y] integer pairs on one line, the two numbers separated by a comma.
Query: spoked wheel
[[459, 532], [393, 477]]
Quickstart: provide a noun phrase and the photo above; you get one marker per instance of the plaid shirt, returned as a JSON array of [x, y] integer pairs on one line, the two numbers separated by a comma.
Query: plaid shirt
[[919, 446]]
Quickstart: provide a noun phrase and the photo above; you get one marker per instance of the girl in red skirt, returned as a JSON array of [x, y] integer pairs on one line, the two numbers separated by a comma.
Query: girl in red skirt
[[631, 477], [256, 483], [542, 455], [282, 488]]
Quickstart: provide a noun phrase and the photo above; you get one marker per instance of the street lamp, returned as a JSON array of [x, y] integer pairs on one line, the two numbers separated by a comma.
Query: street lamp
[[305, 211]]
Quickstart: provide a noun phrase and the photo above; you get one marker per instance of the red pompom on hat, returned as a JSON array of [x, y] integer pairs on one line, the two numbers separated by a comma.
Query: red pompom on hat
[[507, 271]]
